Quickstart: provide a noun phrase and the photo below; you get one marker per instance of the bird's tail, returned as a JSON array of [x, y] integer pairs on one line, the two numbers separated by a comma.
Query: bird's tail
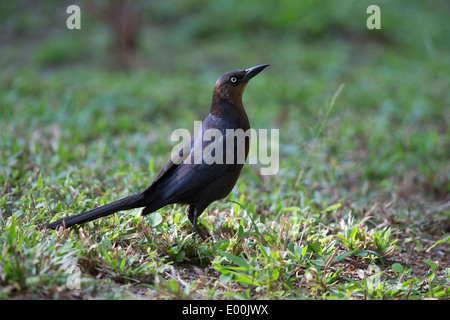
[[130, 202]]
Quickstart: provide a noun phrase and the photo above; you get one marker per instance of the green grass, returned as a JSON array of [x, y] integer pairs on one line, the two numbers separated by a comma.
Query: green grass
[[359, 208]]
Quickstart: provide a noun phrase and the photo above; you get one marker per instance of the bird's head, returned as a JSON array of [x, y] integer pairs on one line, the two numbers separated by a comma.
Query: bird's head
[[231, 85]]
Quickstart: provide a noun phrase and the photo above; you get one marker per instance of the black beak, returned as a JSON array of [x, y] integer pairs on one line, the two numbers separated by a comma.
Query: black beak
[[251, 72]]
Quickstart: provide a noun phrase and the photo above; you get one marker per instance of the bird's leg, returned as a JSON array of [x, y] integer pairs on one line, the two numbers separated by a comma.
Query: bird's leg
[[193, 214], [197, 229], [190, 212]]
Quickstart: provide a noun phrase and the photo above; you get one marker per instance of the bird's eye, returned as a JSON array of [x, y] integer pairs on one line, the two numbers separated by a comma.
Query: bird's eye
[[233, 79]]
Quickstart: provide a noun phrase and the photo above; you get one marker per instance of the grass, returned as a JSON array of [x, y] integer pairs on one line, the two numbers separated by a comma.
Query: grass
[[359, 208]]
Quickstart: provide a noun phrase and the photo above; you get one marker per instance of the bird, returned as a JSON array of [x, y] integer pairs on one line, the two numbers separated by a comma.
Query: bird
[[194, 183]]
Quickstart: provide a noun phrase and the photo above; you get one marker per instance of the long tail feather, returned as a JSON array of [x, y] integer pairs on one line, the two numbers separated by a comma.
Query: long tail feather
[[131, 202]]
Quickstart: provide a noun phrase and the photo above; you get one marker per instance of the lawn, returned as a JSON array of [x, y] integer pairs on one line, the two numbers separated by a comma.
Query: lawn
[[360, 206]]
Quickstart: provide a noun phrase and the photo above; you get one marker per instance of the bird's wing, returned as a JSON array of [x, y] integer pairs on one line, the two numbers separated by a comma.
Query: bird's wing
[[179, 180]]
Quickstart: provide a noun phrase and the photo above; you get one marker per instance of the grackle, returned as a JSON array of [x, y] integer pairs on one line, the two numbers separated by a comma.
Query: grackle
[[196, 184]]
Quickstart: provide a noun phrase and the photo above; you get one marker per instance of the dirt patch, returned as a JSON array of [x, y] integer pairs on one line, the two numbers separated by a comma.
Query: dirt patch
[[354, 268]]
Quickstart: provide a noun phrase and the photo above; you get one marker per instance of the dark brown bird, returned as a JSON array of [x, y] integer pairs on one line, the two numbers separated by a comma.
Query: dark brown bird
[[194, 183]]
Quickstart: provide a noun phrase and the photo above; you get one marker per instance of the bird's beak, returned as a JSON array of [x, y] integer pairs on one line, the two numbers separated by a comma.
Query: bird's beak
[[251, 72]]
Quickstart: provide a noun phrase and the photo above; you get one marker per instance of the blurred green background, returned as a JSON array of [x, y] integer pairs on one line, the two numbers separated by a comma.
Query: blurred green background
[[107, 97]]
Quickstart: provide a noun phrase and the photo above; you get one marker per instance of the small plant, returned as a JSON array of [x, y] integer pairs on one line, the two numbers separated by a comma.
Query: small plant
[[261, 274], [356, 236]]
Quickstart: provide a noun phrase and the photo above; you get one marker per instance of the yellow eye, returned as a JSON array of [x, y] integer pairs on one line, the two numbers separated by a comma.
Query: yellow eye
[[233, 79]]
